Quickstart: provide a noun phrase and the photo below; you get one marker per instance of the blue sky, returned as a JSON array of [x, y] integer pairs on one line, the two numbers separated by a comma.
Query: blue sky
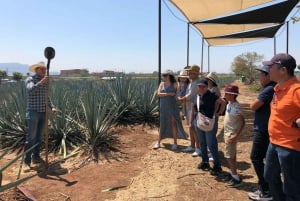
[[116, 35]]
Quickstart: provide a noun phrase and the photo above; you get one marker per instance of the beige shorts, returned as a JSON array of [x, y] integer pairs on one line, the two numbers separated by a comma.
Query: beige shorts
[[230, 148]]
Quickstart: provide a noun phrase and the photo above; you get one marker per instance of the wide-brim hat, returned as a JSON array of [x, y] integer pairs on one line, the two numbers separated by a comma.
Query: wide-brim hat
[[231, 89], [213, 77], [33, 67], [194, 68], [183, 74], [168, 72]]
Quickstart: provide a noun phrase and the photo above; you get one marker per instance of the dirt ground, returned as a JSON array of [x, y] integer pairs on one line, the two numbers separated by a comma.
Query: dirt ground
[[141, 173]]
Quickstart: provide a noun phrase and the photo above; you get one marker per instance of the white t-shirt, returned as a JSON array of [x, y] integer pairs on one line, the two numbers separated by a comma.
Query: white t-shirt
[[232, 119]]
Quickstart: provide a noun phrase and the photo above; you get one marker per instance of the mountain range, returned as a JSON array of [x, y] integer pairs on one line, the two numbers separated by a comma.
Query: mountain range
[[10, 68]]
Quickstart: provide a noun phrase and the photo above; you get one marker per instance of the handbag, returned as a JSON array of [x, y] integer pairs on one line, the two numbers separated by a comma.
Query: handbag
[[203, 122]]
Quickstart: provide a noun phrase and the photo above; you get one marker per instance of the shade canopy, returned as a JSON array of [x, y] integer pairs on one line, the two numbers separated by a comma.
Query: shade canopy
[[256, 19], [197, 10], [271, 14], [247, 36], [267, 32]]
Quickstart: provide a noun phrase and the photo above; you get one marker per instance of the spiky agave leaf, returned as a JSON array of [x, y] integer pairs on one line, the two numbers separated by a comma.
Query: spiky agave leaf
[[123, 92], [2, 168], [64, 130], [15, 183], [100, 117], [146, 105], [13, 124]]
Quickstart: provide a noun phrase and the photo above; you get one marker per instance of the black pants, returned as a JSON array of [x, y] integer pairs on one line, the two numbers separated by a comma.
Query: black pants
[[258, 154]]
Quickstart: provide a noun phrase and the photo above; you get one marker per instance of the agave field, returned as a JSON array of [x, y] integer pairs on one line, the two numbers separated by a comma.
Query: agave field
[[88, 112]]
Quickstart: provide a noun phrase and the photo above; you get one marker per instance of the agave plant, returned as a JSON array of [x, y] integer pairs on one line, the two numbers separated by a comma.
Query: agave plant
[[146, 105], [13, 125], [18, 181], [100, 117], [123, 94], [64, 129]]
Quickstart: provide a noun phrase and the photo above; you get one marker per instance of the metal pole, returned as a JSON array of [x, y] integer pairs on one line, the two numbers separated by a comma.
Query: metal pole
[[208, 58], [274, 45], [49, 53], [159, 57], [287, 37], [188, 44], [202, 56], [159, 40]]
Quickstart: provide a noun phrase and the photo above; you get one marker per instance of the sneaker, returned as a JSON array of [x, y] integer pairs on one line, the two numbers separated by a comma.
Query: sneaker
[[188, 149], [197, 152], [156, 146], [216, 170], [233, 183], [260, 195], [210, 158], [174, 147], [37, 160], [204, 166]]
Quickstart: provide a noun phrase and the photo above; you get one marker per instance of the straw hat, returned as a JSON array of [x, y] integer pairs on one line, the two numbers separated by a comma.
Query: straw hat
[[194, 68], [168, 72], [213, 77], [33, 67], [183, 74]]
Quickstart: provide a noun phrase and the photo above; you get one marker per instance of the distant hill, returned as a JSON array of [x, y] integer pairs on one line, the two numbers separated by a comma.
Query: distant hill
[[14, 67]]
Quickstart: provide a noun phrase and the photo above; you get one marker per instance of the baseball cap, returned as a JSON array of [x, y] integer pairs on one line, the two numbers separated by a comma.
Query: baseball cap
[[283, 59], [202, 82], [264, 69]]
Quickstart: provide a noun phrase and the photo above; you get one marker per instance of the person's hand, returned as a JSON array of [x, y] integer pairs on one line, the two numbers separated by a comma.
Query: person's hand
[[232, 138], [181, 99], [44, 80], [54, 111]]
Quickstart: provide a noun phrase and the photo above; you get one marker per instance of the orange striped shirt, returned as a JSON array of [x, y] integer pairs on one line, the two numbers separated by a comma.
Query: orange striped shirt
[[285, 108]]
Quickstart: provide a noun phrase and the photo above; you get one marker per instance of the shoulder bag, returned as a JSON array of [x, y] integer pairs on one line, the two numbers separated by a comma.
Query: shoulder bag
[[203, 122]]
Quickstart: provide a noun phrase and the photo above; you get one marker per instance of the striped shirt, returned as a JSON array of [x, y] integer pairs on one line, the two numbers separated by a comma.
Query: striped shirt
[[36, 94]]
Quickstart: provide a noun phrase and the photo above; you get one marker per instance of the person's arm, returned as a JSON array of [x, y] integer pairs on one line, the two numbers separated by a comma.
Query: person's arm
[[192, 116], [220, 106], [163, 94], [31, 86], [51, 106], [190, 94], [217, 92], [256, 105], [296, 122]]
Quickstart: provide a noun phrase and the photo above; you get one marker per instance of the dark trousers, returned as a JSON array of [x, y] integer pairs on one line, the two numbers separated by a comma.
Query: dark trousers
[[258, 154], [283, 163]]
